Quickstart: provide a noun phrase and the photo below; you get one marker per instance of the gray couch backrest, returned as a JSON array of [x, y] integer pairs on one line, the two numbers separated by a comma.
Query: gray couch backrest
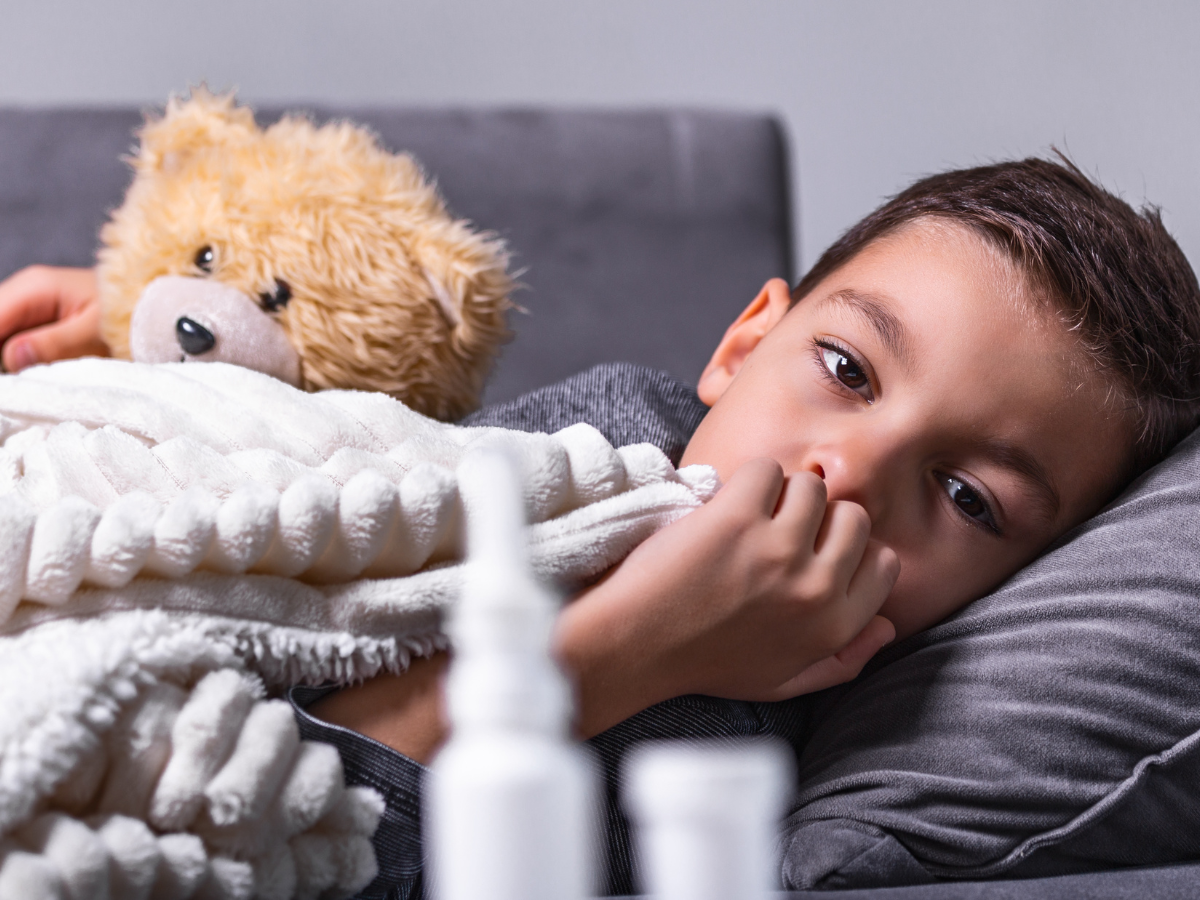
[[638, 235]]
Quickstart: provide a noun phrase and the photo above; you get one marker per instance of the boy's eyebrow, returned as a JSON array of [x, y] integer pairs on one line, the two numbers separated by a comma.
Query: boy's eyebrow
[[1019, 460], [873, 310]]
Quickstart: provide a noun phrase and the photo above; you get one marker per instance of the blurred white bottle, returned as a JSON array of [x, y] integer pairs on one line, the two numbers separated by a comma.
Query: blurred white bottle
[[508, 801], [706, 818]]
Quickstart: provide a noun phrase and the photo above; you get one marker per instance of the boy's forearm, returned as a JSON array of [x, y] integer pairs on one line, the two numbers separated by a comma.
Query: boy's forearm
[[405, 712]]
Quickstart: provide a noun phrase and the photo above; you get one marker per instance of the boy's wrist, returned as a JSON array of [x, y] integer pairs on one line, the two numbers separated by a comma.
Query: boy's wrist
[[615, 674]]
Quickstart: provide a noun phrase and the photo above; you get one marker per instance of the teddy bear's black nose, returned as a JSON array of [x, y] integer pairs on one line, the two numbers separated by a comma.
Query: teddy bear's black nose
[[193, 337]]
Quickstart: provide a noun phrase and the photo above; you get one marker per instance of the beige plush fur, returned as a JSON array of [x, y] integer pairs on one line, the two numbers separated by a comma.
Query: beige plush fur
[[389, 292]]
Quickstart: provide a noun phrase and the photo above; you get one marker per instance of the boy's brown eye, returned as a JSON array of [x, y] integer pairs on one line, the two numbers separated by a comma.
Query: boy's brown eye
[[849, 374], [969, 501], [848, 371], [205, 258]]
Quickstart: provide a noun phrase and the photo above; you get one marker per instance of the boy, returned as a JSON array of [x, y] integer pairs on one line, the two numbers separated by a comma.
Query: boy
[[970, 371]]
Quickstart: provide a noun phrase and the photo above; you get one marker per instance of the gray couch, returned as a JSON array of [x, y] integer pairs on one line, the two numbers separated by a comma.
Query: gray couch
[[641, 235]]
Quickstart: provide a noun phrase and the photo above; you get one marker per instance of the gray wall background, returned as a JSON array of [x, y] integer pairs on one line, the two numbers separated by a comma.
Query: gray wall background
[[874, 93]]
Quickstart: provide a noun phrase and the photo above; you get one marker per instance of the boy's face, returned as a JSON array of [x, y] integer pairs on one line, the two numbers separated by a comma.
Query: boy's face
[[919, 381]]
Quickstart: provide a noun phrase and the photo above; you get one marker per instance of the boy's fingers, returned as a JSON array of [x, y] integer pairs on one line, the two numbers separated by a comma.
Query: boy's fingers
[[65, 339], [802, 508], [844, 665], [874, 578], [875, 572], [756, 484], [25, 303], [40, 294], [878, 633], [842, 539]]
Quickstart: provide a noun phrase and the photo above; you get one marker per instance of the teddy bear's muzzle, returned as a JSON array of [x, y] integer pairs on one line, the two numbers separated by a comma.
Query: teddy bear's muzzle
[[181, 319]]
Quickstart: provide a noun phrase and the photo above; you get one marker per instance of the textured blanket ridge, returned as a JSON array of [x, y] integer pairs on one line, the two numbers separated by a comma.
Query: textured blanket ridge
[[178, 543]]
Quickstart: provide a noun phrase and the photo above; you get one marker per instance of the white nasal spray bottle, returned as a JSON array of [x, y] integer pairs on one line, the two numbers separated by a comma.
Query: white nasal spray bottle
[[508, 800], [706, 818]]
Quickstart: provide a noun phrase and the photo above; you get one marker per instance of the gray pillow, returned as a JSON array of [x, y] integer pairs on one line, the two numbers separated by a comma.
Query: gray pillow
[[1051, 727]]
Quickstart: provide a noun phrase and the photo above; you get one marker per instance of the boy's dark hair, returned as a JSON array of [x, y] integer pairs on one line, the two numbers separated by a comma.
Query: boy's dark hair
[[1118, 278]]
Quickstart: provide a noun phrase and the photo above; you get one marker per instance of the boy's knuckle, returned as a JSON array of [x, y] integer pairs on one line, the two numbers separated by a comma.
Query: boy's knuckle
[[810, 487], [778, 547], [36, 274], [737, 517], [889, 563], [769, 467], [819, 585], [758, 474], [860, 522], [840, 633]]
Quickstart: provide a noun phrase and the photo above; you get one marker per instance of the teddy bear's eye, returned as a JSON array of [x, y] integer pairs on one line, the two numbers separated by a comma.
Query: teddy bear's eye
[[277, 298], [205, 258]]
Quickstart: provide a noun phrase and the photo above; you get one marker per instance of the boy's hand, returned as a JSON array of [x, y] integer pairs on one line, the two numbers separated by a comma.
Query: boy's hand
[[49, 313], [767, 592]]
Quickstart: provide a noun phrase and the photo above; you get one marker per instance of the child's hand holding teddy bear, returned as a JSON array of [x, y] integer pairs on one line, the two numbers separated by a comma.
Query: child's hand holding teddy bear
[[49, 313]]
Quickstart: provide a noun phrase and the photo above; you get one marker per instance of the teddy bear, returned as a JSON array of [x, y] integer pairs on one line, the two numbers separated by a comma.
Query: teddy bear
[[308, 253]]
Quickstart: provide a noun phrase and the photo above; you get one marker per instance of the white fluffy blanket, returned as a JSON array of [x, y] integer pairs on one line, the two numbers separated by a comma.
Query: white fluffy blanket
[[180, 542]]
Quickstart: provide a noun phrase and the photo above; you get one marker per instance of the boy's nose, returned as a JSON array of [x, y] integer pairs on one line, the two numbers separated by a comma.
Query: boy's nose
[[857, 471]]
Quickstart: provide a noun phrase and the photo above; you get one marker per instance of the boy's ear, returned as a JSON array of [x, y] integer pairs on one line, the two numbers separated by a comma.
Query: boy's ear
[[764, 313]]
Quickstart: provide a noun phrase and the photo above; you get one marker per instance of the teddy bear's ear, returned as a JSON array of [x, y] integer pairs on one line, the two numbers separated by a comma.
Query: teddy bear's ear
[[202, 120]]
